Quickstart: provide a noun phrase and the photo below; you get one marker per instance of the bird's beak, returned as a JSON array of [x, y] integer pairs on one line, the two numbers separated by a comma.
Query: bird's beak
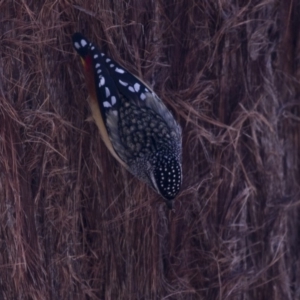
[[169, 204]]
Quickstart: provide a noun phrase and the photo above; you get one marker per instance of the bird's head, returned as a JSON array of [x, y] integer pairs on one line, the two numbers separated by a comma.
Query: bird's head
[[165, 175]]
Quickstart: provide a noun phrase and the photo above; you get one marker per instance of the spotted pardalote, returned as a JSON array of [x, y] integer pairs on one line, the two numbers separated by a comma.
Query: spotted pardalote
[[134, 123]]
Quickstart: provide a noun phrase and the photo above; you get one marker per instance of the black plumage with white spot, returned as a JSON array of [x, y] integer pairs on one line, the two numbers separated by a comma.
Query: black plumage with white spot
[[142, 131]]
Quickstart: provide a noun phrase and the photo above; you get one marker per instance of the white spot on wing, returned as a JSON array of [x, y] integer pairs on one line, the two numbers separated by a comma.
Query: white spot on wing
[[97, 66], [121, 71], [102, 54], [137, 87], [107, 60], [99, 71], [76, 45], [93, 48], [107, 92], [131, 89], [123, 83], [83, 43], [102, 81], [143, 96], [106, 104], [111, 65], [113, 100], [96, 56]]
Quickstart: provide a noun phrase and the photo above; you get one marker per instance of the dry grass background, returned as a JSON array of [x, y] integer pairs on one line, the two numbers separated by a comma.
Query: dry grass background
[[75, 225]]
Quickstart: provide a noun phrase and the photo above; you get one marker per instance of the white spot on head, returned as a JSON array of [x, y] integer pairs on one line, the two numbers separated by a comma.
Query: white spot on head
[[107, 92], [83, 43], [121, 71], [96, 56], [131, 89], [106, 104], [97, 66], [143, 96], [123, 83], [113, 100], [76, 45], [137, 87]]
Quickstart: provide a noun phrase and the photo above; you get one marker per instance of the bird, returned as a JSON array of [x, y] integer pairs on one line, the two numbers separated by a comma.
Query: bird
[[134, 123]]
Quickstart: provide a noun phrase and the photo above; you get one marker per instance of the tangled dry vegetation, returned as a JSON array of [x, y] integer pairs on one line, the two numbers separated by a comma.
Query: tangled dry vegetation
[[75, 225]]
